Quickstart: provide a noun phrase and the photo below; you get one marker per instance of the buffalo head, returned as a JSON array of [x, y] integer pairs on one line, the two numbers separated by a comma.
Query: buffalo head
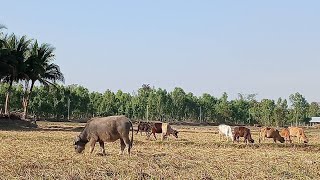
[[79, 145]]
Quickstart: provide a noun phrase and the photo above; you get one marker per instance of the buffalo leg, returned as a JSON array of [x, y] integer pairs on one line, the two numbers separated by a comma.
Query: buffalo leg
[[92, 144], [127, 143], [103, 151], [123, 146]]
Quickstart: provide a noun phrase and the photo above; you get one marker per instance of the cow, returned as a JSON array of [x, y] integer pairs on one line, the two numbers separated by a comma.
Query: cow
[[225, 130], [105, 129], [267, 132], [144, 127], [241, 131], [299, 133], [163, 128], [167, 130], [286, 135]]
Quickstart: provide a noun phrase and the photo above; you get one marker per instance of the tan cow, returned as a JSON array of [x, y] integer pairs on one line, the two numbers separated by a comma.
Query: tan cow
[[286, 135], [167, 130], [273, 133], [299, 133]]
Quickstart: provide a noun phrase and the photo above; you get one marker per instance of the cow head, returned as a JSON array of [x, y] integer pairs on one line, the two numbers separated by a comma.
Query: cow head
[[79, 145], [281, 139], [251, 140], [304, 138], [175, 133]]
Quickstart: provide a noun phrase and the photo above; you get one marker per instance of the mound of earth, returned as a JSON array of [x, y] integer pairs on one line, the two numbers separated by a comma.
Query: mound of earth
[[14, 120]]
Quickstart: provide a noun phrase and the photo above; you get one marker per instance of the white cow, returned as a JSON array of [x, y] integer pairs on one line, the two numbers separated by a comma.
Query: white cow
[[226, 131], [167, 130]]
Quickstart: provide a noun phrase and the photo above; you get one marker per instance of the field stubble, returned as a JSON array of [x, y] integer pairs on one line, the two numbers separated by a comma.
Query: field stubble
[[196, 154]]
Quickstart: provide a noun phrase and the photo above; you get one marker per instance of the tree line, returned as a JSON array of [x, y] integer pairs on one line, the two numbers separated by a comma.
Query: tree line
[[56, 102], [23, 62]]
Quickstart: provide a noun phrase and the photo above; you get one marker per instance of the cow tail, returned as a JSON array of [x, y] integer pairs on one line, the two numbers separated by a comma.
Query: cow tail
[[131, 141]]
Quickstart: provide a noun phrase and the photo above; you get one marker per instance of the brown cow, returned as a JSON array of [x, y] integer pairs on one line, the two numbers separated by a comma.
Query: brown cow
[[144, 127], [267, 132], [299, 133], [163, 128], [286, 135], [167, 130], [241, 131], [105, 129]]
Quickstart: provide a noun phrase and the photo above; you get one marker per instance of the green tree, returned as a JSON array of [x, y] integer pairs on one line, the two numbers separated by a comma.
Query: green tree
[[17, 49], [299, 108], [223, 109], [267, 108], [314, 110], [39, 67], [280, 112], [179, 103]]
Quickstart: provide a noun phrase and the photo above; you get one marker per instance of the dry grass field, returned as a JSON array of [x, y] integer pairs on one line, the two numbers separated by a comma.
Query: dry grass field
[[48, 153]]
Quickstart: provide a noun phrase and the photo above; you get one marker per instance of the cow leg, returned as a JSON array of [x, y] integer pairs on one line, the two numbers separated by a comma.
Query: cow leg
[[148, 135], [103, 151], [162, 137], [92, 143], [154, 134]]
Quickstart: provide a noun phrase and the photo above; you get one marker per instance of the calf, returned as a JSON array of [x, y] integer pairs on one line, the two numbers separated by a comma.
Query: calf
[[267, 132], [286, 135], [144, 127], [226, 131], [242, 132], [299, 133]]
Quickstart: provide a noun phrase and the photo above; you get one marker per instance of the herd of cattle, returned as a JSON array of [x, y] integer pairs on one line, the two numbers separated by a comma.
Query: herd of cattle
[[285, 135], [112, 128]]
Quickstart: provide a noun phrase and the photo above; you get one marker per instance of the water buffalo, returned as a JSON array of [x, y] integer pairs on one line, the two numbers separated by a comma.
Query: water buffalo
[[105, 129], [144, 127], [267, 132], [242, 132], [299, 133], [226, 131]]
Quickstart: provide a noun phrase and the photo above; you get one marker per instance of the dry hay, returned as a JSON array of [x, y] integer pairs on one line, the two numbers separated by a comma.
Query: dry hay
[[197, 154]]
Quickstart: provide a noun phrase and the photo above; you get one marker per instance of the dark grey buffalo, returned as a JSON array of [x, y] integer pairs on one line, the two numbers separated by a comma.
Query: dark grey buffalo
[[105, 129]]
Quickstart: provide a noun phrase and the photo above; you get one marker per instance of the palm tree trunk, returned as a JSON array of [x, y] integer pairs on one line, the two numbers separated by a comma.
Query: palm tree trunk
[[7, 104], [26, 101]]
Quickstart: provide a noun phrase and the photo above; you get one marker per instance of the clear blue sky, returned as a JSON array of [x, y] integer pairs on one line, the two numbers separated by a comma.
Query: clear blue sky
[[267, 47]]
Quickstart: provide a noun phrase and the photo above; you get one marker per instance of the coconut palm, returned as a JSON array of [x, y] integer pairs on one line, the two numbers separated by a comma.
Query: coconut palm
[[3, 65], [39, 67], [16, 50]]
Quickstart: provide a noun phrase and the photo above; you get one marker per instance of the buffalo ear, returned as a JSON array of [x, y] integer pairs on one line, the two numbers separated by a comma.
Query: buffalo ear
[[77, 139]]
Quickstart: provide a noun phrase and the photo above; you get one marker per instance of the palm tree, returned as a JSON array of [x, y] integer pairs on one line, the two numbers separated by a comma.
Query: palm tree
[[3, 65], [15, 56], [39, 68]]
